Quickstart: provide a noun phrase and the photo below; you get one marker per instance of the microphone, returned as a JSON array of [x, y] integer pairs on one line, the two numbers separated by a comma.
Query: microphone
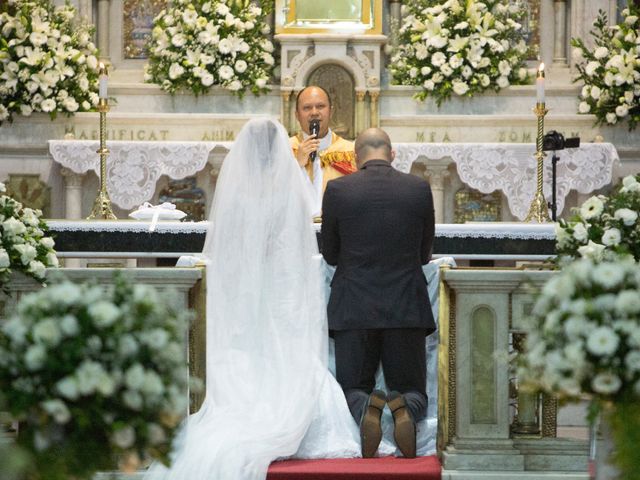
[[314, 129]]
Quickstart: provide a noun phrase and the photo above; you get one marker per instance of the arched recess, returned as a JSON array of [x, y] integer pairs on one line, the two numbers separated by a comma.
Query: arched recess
[[340, 84]]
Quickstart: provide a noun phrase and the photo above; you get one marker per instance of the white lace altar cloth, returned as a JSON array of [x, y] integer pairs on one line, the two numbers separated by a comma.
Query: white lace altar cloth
[[511, 167], [133, 168]]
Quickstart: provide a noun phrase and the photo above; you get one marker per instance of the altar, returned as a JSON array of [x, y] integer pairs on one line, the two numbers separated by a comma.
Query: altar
[[172, 239], [134, 169]]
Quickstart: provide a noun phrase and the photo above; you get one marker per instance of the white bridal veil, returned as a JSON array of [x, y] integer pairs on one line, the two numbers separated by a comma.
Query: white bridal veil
[[267, 383]]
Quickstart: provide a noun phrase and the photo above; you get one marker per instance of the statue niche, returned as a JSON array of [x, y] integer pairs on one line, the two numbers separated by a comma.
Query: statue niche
[[341, 87]]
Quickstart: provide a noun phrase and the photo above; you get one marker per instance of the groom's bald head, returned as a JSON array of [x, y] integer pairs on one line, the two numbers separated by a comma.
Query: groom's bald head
[[373, 144]]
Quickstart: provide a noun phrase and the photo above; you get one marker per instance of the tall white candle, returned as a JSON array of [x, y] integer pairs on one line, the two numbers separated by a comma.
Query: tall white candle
[[540, 84], [103, 79]]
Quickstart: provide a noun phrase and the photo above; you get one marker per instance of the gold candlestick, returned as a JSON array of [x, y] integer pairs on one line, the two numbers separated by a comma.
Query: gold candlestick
[[102, 204], [538, 210]]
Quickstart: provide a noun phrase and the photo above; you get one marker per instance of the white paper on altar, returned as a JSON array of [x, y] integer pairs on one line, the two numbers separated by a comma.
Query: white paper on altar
[[511, 167], [426, 429]]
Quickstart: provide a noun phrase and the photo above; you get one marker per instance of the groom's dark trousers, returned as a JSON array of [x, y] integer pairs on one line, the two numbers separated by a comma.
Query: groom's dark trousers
[[378, 229]]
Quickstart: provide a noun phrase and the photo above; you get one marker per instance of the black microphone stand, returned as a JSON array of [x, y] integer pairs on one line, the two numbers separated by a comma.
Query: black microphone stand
[[553, 204]]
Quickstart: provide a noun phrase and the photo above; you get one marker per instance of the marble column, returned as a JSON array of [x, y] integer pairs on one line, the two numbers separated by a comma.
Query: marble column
[[286, 110], [373, 109], [395, 21], [436, 175], [360, 121], [293, 121], [72, 194], [103, 28], [72, 204], [560, 33]]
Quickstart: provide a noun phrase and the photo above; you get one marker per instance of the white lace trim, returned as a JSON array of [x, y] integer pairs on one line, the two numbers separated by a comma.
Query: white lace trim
[[133, 168], [126, 226], [511, 167], [520, 231]]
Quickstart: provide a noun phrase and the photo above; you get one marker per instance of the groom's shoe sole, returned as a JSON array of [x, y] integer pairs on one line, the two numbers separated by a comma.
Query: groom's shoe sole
[[404, 431], [370, 428]]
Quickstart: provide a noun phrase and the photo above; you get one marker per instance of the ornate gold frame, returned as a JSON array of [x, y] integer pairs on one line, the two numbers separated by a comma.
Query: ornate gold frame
[[370, 21]]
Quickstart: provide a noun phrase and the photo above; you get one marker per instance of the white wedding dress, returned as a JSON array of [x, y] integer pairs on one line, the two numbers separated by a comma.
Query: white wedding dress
[[269, 393]]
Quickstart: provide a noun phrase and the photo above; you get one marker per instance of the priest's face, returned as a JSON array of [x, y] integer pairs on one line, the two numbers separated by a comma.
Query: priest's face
[[312, 104]]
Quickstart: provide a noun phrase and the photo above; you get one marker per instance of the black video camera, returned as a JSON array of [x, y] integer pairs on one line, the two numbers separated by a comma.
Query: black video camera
[[555, 141]]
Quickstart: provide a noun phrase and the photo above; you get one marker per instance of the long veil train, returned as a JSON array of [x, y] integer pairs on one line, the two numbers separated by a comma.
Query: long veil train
[[269, 393]]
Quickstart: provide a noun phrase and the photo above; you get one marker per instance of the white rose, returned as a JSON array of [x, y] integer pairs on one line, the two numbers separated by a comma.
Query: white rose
[[437, 41], [57, 409], [156, 434], [261, 82], [240, 66], [438, 59], [631, 19], [225, 72], [425, 70], [222, 9], [485, 81], [611, 118], [27, 253], [628, 302], [104, 313], [47, 332], [503, 82], [632, 360], [16, 330], [207, 79], [235, 85], [595, 92], [134, 377], [69, 325], [175, 71], [92, 62], [622, 110], [591, 250], [611, 237], [608, 275], [446, 70], [4, 258], [504, 68], [132, 399], [34, 357], [584, 107], [580, 232], [268, 58], [591, 68], [26, 110], [455, 61], [178, 40], [70, 104], [601, 52], [225, 46], [460, 88], [52, 260], [627, 216], [429, 85], [124, 438], [152, 384], [48, 105]]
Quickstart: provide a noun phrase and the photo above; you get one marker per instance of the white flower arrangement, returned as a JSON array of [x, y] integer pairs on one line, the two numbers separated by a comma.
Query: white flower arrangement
[[586, 333], [603, 228], [611, 71], [94, 374], [459, 46], [196, 44], [48, 62], [24, 245]]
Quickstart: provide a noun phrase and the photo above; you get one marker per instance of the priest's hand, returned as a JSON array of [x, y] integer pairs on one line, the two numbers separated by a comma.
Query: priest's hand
[[305, 148]]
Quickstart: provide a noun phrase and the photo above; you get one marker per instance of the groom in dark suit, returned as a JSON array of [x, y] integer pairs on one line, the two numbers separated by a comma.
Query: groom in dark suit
[[378, 227]]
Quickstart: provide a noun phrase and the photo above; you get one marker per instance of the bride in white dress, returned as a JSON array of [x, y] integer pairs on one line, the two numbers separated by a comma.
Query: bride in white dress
[[269, 393]]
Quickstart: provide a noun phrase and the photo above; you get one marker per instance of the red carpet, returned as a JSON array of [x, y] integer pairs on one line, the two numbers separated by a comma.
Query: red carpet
[[386, 468]]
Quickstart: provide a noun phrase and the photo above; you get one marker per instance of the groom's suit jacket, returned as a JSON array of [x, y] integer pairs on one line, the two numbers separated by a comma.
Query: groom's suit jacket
[[378, 228]]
